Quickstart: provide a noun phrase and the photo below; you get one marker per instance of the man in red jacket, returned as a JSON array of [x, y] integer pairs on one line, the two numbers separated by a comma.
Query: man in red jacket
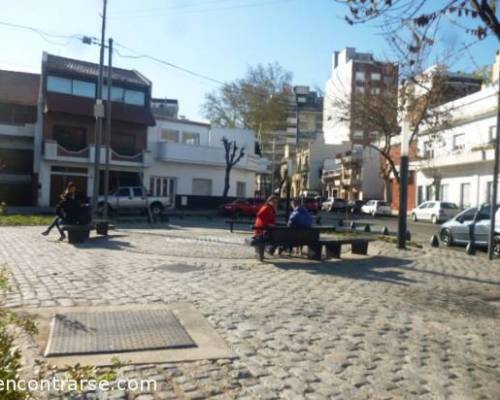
[[266, 216]]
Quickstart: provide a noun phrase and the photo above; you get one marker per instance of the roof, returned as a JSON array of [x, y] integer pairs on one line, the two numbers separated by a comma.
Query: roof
[[19, 87], [91, 70], [182, 121], [57, 102]]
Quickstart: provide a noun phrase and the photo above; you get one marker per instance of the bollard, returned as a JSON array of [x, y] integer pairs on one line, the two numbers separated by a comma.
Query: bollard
[[385, 231], [434, 241], [367, 228], [471, 249]]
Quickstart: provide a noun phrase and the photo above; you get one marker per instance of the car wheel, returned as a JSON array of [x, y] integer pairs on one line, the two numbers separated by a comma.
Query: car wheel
[[446, 237], [434, 219], [414, 217], [156, 208]]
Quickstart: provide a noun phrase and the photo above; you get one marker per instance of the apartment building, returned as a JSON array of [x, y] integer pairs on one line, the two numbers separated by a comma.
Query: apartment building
[[354, 175], [18, 114], [64, 145], [353, 76], [457, 163]]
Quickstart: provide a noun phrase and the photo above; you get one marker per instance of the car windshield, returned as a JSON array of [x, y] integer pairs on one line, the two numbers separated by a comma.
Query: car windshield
[[383, 203]]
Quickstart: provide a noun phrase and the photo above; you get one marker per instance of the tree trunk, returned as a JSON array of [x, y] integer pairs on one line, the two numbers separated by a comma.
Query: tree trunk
[[226, 182]]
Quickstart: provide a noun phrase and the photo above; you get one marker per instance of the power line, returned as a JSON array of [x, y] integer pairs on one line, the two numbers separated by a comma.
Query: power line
[[45, 35], [173, 7]]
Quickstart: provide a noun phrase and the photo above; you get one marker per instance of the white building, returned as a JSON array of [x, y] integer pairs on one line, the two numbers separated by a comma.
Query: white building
[[457, 163], [190, 160]]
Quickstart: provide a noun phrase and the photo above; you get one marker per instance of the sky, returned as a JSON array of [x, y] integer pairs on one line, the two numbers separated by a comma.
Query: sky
[[219, 39]]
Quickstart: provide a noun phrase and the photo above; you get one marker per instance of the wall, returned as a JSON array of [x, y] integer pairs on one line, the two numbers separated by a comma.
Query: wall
[[185, 173], [412, 193], [154, 133]]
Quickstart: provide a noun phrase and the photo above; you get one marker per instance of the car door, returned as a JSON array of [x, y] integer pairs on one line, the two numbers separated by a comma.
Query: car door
[[461, 226], [428, 210], [124, 198], [138, 198], [482, 224]]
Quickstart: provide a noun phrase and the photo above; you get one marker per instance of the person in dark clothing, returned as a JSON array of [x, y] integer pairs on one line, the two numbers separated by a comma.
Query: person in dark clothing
[[71, 209], [300, 217]]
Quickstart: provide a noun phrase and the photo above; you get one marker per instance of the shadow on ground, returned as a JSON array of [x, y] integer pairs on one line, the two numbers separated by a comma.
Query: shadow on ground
[[370, 269], [109, 242]]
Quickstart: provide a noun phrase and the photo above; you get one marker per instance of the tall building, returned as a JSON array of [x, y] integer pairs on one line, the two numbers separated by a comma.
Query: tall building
[[353, 75]]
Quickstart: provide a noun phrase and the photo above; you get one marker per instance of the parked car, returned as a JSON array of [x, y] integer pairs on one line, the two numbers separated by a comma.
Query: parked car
[[312, 204], [376, 207], [334, 204], [354, 206], [435, 211], [472, 221], [241, 208], [133, 198]]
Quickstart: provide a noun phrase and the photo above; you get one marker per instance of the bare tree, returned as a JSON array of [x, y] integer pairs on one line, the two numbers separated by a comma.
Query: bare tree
[[476, 17], [232, 157], [258, 101]]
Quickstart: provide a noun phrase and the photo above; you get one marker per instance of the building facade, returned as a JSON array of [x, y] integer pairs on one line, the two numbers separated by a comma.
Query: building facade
[[18, 114], [456, 164], [190, 160], [353, 76], [355, 175], [64, 145]]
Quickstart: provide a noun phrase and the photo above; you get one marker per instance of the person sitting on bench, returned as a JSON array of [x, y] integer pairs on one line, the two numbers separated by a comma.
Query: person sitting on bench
[[300, 217], [266, 218], [74, 207]]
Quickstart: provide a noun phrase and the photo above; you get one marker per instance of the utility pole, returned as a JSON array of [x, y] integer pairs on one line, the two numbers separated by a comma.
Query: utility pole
[[109, 84], [403, 185], [99, 114], [494, 200]]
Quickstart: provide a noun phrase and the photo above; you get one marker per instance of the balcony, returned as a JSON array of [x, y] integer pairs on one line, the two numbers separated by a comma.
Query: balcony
[[205, 155], [461, 157], [55, 152], [27, 130]]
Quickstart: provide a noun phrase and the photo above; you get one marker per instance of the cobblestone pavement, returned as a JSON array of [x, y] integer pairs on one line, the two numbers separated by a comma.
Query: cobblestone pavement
[[415, 324]]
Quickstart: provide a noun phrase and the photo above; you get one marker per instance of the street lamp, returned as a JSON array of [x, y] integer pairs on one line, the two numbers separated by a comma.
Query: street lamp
[[403, 184]]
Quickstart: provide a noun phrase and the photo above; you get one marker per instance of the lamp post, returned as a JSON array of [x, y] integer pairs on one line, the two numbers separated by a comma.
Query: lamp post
[[403, 185]]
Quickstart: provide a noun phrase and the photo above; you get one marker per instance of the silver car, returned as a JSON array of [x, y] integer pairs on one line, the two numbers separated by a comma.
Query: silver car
[[471, 223]]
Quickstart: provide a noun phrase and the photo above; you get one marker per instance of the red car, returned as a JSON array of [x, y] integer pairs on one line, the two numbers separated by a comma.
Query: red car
[[242, 208]]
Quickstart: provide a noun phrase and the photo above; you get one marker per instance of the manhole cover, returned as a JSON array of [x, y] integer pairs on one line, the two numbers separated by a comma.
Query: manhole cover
[[76, 333], [179, 268]]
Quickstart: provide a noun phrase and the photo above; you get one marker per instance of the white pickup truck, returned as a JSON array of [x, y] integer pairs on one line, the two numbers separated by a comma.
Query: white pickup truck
[[131, 198]]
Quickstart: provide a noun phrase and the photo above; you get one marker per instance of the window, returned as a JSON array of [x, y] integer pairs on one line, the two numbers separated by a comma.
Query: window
[[465, 195], [443, 192], [68, 86], [123, 192], [449, 206], [123, 143], [134, 97], [375, 90], [429, 192], [58, 85], [170, 135], [376, 76], [358, 134], [162, 187], [428, 150], [468, 215], [241, 188], [492, 133], [360, 76], [138, 192], [360, 89], [70, 138], [484, 213], [191, 138], [459, 141], [84, 89], [420, 194], [202, 187]]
